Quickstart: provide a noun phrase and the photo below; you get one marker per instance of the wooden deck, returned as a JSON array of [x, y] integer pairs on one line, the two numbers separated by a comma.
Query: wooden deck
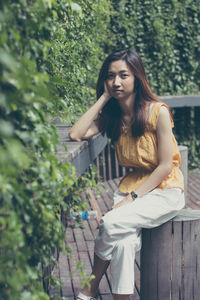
[[81, 242]]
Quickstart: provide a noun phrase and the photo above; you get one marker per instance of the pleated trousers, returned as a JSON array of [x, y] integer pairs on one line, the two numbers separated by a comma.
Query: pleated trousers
[[119, 236]]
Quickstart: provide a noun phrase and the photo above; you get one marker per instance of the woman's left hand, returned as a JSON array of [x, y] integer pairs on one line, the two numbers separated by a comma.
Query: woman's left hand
[[126, 200]]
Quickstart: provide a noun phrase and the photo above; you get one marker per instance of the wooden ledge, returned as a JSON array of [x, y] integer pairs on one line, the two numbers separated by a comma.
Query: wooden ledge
[[80, 154], [181, 101]]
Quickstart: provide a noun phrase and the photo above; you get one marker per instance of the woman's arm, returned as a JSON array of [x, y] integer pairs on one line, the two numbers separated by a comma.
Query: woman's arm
[[86, 126], [165, 153]]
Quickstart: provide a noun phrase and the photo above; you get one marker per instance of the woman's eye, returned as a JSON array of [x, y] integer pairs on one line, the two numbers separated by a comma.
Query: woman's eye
[[124, 75], [110, 76]]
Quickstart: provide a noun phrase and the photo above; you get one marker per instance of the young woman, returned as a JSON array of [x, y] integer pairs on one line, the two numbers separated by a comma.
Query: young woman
[[140, 126]]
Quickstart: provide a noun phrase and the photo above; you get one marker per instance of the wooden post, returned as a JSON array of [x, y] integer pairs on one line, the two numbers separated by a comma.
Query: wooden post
[[170, 259]]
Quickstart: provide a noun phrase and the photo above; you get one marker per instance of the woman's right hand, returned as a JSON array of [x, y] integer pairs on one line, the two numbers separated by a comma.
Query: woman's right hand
[[86, 126], [106, 92]]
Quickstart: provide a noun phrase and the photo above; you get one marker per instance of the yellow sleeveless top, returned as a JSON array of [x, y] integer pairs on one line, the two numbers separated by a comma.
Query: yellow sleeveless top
[[141, 155]]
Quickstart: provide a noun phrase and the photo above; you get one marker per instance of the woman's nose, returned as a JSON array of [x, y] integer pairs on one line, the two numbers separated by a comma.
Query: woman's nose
[[116, 81]]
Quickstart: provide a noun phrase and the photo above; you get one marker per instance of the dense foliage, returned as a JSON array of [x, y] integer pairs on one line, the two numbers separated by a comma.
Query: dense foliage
[[47, 48], [166, 34], [76, 54], [50, 53]]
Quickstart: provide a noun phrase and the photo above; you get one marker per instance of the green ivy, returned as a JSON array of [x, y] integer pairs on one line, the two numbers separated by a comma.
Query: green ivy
[[166, 34], [75, 55], [47, 48]]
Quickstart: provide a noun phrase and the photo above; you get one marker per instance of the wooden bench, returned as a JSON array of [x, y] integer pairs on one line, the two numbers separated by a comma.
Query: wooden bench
[[170, 259]]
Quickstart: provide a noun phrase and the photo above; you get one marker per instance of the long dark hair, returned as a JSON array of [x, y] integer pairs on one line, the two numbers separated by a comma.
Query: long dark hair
[[110, 119]]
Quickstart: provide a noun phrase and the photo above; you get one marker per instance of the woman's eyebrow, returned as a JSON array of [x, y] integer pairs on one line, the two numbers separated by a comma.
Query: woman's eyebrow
[[121, 71]]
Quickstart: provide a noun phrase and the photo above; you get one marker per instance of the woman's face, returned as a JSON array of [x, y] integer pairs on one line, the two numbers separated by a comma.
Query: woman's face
[[120, 80]]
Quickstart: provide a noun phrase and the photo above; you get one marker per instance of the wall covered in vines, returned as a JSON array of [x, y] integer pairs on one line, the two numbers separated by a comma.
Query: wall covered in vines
[[47, 50], [167, 36]]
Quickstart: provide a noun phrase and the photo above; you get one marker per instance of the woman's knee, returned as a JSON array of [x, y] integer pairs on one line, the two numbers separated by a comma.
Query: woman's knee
[[107, 224]]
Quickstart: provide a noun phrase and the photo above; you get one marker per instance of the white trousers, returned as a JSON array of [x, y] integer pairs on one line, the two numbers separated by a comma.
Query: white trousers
[[119, 234]]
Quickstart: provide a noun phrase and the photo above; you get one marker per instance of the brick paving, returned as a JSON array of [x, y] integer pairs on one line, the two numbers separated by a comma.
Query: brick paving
[[81, 242]]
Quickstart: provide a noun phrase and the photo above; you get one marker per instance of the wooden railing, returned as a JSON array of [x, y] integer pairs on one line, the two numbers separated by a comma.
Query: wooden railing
[[82, 154]]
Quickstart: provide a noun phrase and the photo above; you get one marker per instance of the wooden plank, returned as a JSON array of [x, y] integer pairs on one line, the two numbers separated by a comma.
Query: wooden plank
[[90, 246], [176, 261], [191, 246], [93, 202], [69, 236], [66, 287], [104, 165], [84, 258], [112, 185], [107, 196], [106, 297], [79, 238], [163, 239], [182, 101], [155, 263], [87, 233], [54, 291], [76, 280], [80, 154], [109, 164], [101, 203], [116, 181]]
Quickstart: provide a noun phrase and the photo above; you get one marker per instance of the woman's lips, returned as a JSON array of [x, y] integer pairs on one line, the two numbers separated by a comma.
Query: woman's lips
[[117, 91]]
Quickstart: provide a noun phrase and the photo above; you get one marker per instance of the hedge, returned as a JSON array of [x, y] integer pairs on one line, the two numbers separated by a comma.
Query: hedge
[[47, 48], [166, 34]]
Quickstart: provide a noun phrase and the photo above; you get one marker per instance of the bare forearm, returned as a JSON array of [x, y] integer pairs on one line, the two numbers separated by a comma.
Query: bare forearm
[[153, 180], [83, 124]]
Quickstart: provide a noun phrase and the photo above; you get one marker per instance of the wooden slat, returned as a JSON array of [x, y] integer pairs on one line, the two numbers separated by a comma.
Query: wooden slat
[[66, 288], [80, 154], [155, 267], [182, 101], [76, 281], [191, 246], [87, 233], [69, 236], [54, 291], [93, 203], [102, 203], [176, 261], [80, 241], [106, 297]]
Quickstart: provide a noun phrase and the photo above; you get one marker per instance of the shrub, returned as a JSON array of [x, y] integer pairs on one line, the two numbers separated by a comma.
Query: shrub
[[47, 48]]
